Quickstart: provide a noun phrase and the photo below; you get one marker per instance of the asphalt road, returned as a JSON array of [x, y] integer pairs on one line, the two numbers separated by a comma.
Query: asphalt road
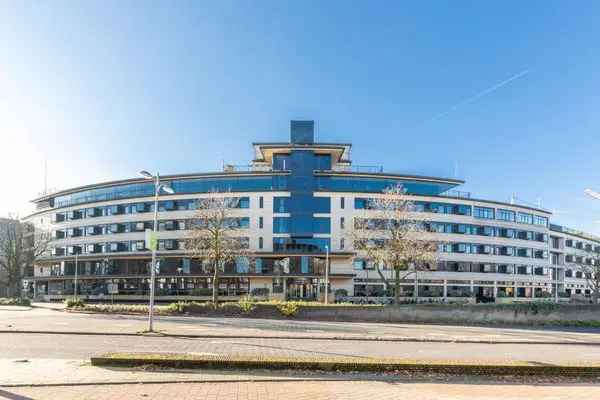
[[37, 319], [53, 358], [58, 346]]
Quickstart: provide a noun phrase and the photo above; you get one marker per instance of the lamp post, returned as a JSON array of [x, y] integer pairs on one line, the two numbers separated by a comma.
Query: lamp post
[[326, 274], [75, 289], [157, 188]]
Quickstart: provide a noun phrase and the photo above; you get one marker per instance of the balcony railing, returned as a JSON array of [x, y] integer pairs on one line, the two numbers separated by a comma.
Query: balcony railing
[[459, 194], [367, 169], [246, 168]]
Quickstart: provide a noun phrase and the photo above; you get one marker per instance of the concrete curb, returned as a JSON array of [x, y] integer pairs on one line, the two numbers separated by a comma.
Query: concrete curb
[[343, 365], [283, 337]]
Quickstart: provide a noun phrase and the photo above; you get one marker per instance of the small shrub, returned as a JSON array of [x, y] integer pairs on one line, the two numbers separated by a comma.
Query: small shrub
[[246, 306], [341, 293], [177, 308], [288, 309], [74, 303], [15, 301]]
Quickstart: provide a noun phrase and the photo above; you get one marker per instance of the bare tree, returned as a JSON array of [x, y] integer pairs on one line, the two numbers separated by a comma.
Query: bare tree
[[592, 277], [20, 245], [216, 236], [395, 238]]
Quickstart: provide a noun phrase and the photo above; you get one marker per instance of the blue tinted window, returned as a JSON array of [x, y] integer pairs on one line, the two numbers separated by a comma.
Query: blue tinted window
[[539, 220], [243, 202], [281, 225], [360, 203], [376, 185], [322, 225], [322, 205], [323, 162], [525, 218], [281, 204], [281, 162], [483, 212], [300, 245], [505, 215], [304, 264], [204, 185]]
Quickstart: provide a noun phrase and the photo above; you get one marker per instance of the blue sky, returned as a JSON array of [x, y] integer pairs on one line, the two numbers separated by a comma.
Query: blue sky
[[102, 89]]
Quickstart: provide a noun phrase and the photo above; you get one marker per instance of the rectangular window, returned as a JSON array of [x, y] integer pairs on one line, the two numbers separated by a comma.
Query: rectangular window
[[524, 218], [322, 205], [321, 225], [281, 204], [243, 202], [505, 215], [260, 222], [342, 244], [260, 202], [483, 212], [300, 245], [342, 202], [281, 162], [342, 223], [260, 242], [281, 225], [539, 220], [363, 204]]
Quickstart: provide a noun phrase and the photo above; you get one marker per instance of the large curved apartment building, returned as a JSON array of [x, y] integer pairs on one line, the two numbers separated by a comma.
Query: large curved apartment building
[[295, 199]]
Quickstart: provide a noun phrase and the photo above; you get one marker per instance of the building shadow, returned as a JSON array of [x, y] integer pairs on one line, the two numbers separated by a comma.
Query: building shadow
[[12, 396]]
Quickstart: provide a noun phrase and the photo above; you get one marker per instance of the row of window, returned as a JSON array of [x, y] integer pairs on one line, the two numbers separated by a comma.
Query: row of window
[[581, 260], [135, 208], [319, 225], [575, 244], [463, 209], [185, 266], [180, 186], [464, 229], [452, 266], [140, 226], [474, 248], [125, 246]]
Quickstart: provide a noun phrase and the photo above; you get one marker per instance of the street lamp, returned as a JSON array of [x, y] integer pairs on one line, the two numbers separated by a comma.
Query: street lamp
[[157, 188], [326, 274]]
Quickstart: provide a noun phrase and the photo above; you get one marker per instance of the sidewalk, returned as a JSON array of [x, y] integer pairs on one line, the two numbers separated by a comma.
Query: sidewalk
[[312, 390]]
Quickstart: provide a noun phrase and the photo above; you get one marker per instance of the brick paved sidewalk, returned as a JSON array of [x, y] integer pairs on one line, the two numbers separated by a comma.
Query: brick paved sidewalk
[[344, 390]]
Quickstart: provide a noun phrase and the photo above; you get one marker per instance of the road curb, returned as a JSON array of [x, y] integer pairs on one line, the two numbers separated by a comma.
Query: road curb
[[341, 365], [280, 337]]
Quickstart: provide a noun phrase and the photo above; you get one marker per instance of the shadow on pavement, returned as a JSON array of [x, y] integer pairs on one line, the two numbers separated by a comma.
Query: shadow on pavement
[[12, 396]]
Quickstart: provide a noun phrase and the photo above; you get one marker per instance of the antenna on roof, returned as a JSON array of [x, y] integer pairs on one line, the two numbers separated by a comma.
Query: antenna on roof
[[45, 177], [455, 169], [513, 198], [539, 202]]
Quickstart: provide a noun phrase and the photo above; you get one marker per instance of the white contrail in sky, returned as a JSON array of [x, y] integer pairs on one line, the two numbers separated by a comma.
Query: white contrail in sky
[[479, 95]]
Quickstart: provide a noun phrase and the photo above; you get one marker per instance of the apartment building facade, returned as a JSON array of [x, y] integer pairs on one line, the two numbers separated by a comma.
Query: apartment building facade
[[297, 203]]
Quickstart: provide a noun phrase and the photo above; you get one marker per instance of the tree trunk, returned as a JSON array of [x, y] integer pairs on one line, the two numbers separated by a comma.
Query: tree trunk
[[215, 295], [397, 286], [416, 289]]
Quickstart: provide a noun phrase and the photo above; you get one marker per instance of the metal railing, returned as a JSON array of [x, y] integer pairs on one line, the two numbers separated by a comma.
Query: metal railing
[[459, 194]]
